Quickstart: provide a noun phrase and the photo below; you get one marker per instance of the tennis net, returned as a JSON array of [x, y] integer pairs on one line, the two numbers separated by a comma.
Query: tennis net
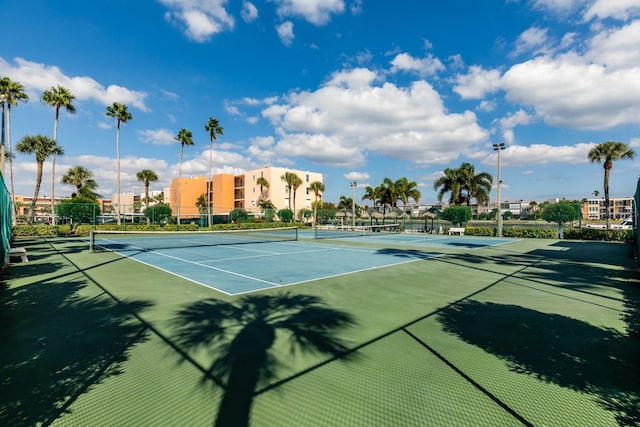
[[103, 240], [337, 232]]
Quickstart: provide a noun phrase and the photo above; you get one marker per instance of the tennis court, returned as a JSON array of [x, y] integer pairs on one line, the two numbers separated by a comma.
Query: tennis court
[[236, 263], [481, 333]]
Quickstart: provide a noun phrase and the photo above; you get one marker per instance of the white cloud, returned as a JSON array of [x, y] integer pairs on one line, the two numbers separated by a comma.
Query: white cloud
[[350, 116], [618, 9], [38, 77], [477, 82], [285, 32], [617, 48], [200, 19], [317, 12], [249, 12], [569, 91], [534, 40], [157, 136], [540, 154], [510, 121], [357, 176], [424, 67]]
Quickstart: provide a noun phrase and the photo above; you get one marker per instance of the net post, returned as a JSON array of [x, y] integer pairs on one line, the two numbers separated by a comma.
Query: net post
[[91, 241], [296, 230]]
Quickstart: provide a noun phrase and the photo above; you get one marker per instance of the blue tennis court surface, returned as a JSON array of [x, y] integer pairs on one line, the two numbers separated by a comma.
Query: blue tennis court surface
[[415, 239], [237, 268]]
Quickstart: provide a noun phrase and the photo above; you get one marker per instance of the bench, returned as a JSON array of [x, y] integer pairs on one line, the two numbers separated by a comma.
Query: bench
[[21, 252], [456, 230]]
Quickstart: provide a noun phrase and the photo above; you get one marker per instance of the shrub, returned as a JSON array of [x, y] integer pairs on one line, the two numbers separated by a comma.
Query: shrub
[[529, 233], [598, 234], [480, 231]]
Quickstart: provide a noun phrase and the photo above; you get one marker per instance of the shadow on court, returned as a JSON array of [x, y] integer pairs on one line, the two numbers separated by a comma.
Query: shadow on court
[[57, 344], [242, 334], [557, 349]]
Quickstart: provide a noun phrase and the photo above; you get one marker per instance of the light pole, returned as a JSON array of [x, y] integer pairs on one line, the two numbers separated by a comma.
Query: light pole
[[353, 204], [499, 147], [3, 99]]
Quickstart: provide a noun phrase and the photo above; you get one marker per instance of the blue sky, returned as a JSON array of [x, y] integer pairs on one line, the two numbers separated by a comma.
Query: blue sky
[[355, 89]]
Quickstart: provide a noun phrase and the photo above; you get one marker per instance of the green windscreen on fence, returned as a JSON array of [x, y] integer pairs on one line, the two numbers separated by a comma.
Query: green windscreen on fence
[[636, 215], [6, 207]]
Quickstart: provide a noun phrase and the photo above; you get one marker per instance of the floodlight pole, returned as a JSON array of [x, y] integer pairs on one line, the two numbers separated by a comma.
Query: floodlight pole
[[353, 203], [499, 147]]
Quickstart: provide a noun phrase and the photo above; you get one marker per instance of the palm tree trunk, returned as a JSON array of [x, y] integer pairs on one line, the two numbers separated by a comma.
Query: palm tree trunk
[[146, 199], [53, 168], [607, 172], [14, 214], [179, 185], [118, 169], [210, 183], [37, 190]]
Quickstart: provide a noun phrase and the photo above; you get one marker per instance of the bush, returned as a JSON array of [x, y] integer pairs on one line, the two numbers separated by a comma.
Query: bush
[[285, 215], [530, 233], [598, 234], [457, 214], [480, 231]]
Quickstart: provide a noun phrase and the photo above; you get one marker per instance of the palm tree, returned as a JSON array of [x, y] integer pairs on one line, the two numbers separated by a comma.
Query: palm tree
[[450, 182], [80, 177], [477, 186], [317, 187], [147, 176], [371, 194], [57, 97], [213, 128], [292, 182], [263, 183], [407, 189], [201, 202], [119, 111], [42, 146], [185, 138], [242, 333], [345, 202], [607, 153], [13, 92]]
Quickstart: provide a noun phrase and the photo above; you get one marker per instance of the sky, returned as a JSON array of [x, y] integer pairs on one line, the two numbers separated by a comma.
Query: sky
[[358, 90]]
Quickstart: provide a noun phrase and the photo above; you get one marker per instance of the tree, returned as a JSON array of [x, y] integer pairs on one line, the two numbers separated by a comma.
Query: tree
[[560, 213], [345, 202], [457, 215], [450, 183], [79, 177], [201, 203], [292, 182], [82, 208], [263, 183], [147, 176], [158, 213], [371, 193], [242, 334], [268, 208], [13, 92], [213, 128], [407, 189], [120, 113], [57, 97], [185, 138], [317, 187], [285, 215], [42, 146], [478, 186], [606, 153]]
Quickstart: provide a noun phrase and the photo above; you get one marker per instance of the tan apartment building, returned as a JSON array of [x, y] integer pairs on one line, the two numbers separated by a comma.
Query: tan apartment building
[[619, 208], [43, 206], [248, 190], [242, 191]]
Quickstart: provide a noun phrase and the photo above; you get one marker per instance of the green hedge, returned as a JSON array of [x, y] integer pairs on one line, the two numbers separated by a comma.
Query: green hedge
[[480, 231], [530, 233], [598, 234]]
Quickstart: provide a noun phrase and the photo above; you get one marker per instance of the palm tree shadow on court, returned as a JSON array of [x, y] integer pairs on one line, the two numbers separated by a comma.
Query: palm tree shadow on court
[[601, 362], [58, 341], [241, 335]]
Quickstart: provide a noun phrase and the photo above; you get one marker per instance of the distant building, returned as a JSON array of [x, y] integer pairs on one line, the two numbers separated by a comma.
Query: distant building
[[619, 208], [228, 192]]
